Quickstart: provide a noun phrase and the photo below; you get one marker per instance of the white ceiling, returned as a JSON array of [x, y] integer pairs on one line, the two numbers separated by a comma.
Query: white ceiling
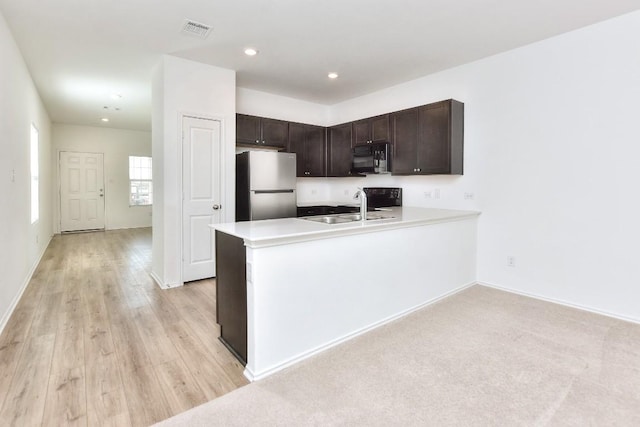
[[81, 51]]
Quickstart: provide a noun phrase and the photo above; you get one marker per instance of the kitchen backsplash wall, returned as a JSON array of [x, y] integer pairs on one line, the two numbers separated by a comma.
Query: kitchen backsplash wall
[[450, 192], [312, 190]]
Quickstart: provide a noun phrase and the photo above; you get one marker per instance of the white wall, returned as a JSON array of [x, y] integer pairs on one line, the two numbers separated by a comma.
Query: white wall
[[264, 104], [551, 153], [182, 87], [299, 305], [21, 243], [116, 145], [559, 134]]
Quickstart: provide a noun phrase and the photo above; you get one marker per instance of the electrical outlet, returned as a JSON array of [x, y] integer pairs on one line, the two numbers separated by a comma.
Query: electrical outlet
[[436, 193], [428, 195], [511, 261], [469, 196], [346, 192], [314, 191], [37, 239]]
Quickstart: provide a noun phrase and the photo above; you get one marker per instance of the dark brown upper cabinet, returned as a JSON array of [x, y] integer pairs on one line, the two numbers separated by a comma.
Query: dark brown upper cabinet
[[373, 129], [339, 150], [428, 140], [310, 145], [252, 130], [404, 125]]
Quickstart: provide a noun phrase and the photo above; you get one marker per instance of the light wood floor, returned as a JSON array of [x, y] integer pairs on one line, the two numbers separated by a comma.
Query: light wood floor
[[94, 341]]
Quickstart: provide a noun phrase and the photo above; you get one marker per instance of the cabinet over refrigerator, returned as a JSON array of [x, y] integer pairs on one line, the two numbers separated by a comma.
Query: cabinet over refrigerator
[[265, 185]]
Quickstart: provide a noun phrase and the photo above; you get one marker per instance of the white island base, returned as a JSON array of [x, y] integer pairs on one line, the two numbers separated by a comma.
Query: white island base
[[311, 289]]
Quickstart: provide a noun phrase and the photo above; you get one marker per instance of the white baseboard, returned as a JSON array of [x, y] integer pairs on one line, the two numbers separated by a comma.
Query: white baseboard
[[127, 227], [23, 287], [159, 282], [562, 302], [251, 376], [163, 285]]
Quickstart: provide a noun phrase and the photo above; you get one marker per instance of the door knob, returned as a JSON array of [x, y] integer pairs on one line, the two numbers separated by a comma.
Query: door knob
[[216, 207]]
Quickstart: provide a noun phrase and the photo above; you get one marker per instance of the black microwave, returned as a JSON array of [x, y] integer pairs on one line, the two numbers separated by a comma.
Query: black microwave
[[371, 158]]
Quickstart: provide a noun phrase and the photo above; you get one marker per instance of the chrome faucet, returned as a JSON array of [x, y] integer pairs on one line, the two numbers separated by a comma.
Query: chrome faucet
[[363, 203]]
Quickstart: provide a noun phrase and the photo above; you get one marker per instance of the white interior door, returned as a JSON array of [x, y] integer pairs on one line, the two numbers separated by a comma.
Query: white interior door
[[201, 182], [81, 191]]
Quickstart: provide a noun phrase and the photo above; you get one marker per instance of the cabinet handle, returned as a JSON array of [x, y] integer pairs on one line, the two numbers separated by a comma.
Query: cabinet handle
[[257, 141]]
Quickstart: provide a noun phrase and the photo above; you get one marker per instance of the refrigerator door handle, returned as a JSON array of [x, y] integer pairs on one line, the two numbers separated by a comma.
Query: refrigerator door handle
[[272, 191]]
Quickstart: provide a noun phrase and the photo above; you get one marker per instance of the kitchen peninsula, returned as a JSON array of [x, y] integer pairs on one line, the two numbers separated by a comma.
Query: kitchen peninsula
[[289, 288]]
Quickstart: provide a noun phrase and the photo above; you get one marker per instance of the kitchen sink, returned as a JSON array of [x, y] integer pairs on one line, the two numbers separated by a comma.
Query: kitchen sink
[[345, 218], [329, 219]]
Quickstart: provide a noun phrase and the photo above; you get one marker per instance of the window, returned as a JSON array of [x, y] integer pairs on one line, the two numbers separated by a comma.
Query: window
[[141, 186], [35, 174]]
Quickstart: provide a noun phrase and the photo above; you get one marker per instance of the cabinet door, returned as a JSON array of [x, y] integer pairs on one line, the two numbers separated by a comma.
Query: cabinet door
[[231, 293], [434, 149], [380, 129], [361, 132], [296, 145], [405, 141], [339, 150], [275, 133], [247, 129], [373, 129], [315, 151]]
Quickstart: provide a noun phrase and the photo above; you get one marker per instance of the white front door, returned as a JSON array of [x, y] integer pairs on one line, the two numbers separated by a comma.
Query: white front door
[[201, 206], [81, 191]]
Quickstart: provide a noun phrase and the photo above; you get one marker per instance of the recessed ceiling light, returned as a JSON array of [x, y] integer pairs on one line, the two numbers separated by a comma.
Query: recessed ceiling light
[[250, 51], [104, 119], [332, 75]]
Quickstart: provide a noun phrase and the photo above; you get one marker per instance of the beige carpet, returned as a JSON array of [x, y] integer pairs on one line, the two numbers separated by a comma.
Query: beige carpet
[[481, 357]]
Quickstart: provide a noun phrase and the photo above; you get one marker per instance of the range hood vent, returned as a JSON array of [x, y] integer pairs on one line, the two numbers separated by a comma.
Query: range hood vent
[[197, 29]]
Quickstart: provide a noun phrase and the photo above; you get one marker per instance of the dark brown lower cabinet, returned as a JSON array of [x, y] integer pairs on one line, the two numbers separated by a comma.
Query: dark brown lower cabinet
[[231, 293]]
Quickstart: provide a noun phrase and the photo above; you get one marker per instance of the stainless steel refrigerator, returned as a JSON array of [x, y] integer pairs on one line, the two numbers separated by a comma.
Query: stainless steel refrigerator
[[265, 185]]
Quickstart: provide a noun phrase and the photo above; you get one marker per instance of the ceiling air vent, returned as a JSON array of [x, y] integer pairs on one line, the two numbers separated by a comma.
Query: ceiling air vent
[[196, 29]]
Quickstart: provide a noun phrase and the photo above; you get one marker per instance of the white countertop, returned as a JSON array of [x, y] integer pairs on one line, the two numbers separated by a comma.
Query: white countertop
[[272, 232]]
